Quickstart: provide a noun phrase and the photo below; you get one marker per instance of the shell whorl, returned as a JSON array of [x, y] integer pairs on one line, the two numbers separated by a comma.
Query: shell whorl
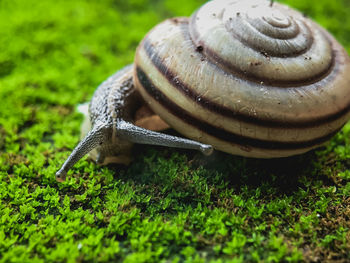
[[254, 39], [248, 78]]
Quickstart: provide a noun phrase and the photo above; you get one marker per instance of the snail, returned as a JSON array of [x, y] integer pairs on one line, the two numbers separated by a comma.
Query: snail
[[252, 78]]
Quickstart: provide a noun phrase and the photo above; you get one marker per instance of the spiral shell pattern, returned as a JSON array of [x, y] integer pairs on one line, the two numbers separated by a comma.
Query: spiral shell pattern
[[249, 78]]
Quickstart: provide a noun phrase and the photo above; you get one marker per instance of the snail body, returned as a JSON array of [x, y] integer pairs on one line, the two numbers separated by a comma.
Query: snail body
[[247, 77], [112, 109]]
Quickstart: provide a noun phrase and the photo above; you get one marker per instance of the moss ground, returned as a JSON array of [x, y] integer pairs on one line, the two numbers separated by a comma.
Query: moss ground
[[169, 205]]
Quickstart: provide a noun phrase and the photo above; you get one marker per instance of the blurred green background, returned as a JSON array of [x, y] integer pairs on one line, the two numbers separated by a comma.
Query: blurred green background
[[169, 205]]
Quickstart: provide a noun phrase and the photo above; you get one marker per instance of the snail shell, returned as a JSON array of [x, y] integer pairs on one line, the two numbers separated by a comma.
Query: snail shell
[[247, 77]]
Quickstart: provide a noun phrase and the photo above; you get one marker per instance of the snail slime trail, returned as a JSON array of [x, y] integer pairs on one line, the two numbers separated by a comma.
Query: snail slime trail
[[249, 78]]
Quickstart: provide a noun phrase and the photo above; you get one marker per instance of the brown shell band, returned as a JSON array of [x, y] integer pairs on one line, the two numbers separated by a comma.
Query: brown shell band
[[217, 132]]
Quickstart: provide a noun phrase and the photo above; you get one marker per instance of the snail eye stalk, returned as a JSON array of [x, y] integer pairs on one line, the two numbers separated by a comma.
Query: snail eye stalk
[[135, 134]]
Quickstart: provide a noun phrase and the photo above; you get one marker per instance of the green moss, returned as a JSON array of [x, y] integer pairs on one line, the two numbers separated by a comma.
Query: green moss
[[169, 205]]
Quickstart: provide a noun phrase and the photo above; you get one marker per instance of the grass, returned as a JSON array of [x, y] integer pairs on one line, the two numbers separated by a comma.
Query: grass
[[169, 205]]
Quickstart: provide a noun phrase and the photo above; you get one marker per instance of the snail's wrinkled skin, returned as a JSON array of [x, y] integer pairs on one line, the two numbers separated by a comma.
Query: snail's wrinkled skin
[[249, 77], [113, 133]]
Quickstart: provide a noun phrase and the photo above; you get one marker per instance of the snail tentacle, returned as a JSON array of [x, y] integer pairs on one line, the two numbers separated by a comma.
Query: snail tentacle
[[93, 139], [135, 134]]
